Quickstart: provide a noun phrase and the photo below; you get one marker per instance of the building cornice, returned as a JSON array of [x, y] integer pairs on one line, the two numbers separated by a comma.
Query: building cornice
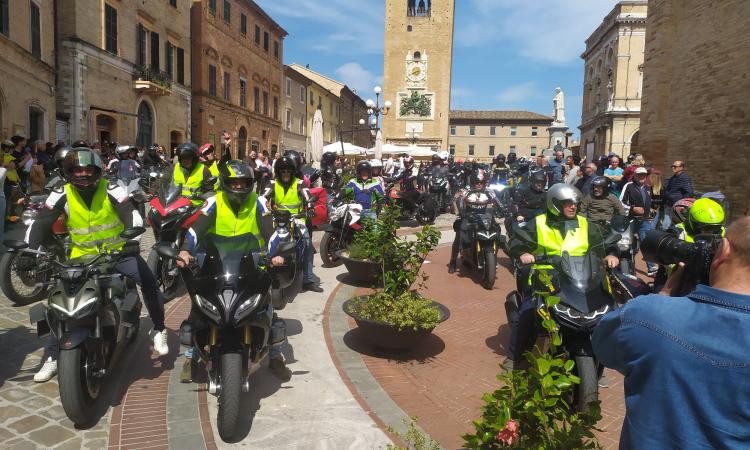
[[614, 20]]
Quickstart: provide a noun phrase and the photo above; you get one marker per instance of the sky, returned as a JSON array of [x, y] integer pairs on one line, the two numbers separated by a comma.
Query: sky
[[507, 54]]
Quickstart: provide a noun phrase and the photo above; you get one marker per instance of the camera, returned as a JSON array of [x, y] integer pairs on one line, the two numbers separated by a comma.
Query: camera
[[665, 248]]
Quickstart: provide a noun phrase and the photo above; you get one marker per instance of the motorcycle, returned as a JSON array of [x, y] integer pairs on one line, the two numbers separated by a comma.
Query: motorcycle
[[423, 212], [230, 327], [439, 187], [481, 238], [288, 280], [628, 244], [339, 233], [94, 312], [27, 286], [585, 296], [170, 216]]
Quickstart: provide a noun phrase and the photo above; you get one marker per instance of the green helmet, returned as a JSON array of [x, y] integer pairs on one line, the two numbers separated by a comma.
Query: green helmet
[[705, 216]]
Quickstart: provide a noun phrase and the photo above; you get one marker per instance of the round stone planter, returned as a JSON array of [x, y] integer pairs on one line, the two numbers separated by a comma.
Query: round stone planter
[[363, 272], [389, 337]]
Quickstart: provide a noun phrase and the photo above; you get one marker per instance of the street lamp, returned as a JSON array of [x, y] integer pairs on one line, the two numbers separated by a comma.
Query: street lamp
[[374, 110]]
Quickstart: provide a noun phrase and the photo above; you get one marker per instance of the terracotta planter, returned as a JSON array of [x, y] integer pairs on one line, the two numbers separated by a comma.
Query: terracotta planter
[[364, 272], [389, 337]]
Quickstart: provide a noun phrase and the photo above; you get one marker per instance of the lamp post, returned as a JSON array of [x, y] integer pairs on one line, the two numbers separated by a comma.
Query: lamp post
[[374, 111]]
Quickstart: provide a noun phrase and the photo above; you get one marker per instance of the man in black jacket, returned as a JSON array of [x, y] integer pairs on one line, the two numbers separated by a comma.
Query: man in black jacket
[[678, 187], [636, 197]]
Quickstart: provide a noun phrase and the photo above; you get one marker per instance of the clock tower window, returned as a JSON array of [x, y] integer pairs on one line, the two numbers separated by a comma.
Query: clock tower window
[[417, 56]]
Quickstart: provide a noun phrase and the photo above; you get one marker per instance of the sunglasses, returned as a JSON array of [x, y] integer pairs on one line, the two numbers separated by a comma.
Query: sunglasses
[[675, 166]]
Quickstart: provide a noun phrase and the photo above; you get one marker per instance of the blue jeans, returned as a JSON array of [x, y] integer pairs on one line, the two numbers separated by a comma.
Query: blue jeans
[[307, 267], [642, 227], [2, 224], [666, 214], [523, 330]]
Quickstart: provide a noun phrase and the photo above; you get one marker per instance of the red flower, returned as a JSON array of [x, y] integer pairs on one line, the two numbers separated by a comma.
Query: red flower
[[509, 434]]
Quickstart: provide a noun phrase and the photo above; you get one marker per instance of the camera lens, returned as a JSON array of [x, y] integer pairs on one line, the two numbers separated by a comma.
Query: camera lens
[[665, 248]]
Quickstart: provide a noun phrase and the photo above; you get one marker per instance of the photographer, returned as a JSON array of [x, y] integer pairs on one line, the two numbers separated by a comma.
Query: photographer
[[685, 359]]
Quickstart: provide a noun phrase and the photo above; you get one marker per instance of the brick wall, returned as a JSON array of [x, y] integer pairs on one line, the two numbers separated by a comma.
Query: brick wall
[[696, 93]]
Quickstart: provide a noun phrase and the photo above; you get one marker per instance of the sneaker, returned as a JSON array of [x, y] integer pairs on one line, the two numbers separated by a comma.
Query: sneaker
[[311, 287], [48, 370], [160, 342], [452, 266], [603, 381], [279, 368], [186, 376]]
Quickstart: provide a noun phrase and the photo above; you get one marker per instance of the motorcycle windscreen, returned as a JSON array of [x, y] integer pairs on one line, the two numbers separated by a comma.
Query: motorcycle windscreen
[[167, 192], [581, 282]]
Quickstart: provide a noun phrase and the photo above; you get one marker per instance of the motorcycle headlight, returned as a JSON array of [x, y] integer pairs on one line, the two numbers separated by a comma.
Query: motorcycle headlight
[[208, 308], [487, 235], [182, 209], [497, 187], [81, 310], [247, 307]]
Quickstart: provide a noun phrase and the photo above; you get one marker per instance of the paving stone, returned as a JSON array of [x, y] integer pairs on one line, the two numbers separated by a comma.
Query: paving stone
[[15, 395], [28, 423], [73, 444], [23, 445], [37, 403], [10, 412], [55, 413], [98, 434], [95, 444], [51, 435], [48, 389], [5, 434]]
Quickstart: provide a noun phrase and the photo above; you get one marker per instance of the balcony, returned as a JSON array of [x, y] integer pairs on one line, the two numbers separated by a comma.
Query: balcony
[[418, 12], [149, 81]]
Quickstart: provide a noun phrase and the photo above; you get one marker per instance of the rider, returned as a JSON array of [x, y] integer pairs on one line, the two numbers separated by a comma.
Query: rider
[[474, 200], [408, 184], [189, 173], [366, 190], [706, 216], [501, 171], [601, 206], [151, 157], [529, 198], [207, 154], [559, 229], [288, 192], [97, 212], [377, 172], [126, 166], [235, 211]]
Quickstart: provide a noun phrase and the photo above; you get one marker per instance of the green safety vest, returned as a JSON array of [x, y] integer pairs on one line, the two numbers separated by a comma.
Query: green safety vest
[[214, 169], [92, 228], [245, 222], [288, 200], [194, 181], [687, 237], [551, 242]]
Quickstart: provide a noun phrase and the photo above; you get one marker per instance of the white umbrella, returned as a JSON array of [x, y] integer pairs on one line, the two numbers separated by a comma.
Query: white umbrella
[[379, 145], [349, 148], [317, 136]]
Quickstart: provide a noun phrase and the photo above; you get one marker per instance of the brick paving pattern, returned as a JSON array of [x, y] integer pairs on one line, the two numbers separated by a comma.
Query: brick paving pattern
[[443, 382]]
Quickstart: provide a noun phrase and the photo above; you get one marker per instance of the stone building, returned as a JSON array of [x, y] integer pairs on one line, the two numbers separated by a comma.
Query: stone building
[[340, 107], [294, 135], [418, 57], [124, 70], [482, 135], [613, 81], [237, 75], [27, 75], [696, 93]]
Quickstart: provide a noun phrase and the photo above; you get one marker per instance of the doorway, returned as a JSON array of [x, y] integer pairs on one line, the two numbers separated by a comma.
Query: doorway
[[145, 136], [241, 143]]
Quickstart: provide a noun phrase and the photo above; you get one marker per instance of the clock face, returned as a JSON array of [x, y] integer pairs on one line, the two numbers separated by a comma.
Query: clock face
[[415, 71]]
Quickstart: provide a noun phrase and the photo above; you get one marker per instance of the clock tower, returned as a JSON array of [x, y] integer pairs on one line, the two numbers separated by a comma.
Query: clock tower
[[417, 71]]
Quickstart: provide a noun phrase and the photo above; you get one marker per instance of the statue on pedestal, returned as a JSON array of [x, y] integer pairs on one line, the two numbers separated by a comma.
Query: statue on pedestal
[[558, 114]]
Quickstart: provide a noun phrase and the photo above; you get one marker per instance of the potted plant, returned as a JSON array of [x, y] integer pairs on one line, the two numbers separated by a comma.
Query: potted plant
[[397, 317], [364, 256]]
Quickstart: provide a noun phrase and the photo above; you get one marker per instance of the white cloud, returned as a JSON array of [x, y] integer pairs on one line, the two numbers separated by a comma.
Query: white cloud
[[540, 30], [518, 94], [357, 77]]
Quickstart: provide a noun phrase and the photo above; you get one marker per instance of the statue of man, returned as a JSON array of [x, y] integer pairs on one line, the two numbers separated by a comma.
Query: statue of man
[[559, 105]]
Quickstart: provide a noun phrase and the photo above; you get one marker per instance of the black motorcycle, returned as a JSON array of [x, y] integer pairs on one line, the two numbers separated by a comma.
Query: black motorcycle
[[438, 186], [230, 323], [481, 238], [94, 312]]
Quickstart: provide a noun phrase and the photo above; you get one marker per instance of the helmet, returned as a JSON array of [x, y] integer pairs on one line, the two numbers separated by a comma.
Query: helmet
[[706, 216], [602, 182], [81, 143], [122, 151], [631, 157], [436, 159], [451, 159], [282, 164], [206, 148], [521, 160], [376, 163], [477, 177], [328, 159], [680, 210], [7, 144], [60, 156], [364, 166], [187, 150], [83, 157], [232, 171], [511, 157], [296, 157], [408, 162], [537, 180], [500, 159], [558, 195]]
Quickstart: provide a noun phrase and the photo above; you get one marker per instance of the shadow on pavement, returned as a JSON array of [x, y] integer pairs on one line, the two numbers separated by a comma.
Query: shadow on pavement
[[432, 346], [347, 279], [16, 344], [498, 343]]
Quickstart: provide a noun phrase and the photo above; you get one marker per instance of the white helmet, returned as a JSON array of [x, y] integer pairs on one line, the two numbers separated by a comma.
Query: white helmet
[[376, 163]]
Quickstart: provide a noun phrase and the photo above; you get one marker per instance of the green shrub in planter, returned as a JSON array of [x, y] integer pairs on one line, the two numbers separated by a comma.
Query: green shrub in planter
[[408, 310], [374, 237]]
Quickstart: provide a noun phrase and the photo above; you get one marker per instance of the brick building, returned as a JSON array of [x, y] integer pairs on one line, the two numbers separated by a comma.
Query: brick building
[[482, 135], [696, 93], [294, 136], [27, 76], [237, 75], [124, 70]]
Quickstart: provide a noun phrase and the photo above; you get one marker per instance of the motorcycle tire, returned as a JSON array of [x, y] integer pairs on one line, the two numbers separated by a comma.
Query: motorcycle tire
[[8, 271], [154, 263], [79, 389], [489, 270], [328, 246], [230, 371], [588, 389]]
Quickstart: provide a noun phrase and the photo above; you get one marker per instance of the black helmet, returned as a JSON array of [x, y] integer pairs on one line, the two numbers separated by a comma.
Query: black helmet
[[282, 164], [478, 176], [500, 159], [60, 156], [436, 159], [601, 182], [328, 159], [511, 157], [362, 166], [187, 150], [296, 157], [537, 180], [83, 157], [232, 171]]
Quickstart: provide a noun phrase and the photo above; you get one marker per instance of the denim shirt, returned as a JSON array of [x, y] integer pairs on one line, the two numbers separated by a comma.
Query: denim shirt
[[686, 362]]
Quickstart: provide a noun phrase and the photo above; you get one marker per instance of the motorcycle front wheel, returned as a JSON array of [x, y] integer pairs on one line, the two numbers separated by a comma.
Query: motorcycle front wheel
[[20, 286], [168, 284], [588, 389], [79, 389], [329, 244], [489, 270], [228, 419]]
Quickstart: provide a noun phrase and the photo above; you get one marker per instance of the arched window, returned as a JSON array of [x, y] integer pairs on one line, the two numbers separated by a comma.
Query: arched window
[[145, 136], [417, 56], [241, 143]]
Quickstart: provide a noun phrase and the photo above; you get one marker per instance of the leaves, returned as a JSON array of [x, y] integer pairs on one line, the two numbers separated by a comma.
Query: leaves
[[416, 105]]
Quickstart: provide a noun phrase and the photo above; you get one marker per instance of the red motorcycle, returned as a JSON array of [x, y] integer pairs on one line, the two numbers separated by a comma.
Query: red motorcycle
[[170, 216]]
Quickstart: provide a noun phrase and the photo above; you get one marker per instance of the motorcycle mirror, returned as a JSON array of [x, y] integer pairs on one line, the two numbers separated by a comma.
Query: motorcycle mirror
[[612, 239], [521, 232], [285, 249], [619, 223], [15, 244], [138, 197], [132, 233], [167, 251]]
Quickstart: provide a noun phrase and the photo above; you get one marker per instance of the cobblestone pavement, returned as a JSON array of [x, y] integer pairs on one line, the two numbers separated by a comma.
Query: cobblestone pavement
[[31, 416]]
